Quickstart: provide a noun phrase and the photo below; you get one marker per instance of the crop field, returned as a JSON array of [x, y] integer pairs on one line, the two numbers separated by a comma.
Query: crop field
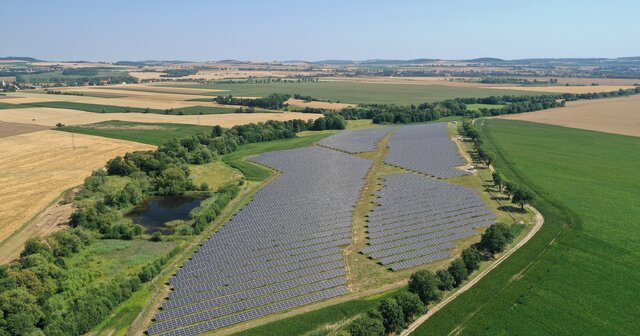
[[215, 174], [9, 129], [354, 92], [148, 133], [44, 164], [615, 115], [567, 89], [49, 116], [97, 108], [578, 275]]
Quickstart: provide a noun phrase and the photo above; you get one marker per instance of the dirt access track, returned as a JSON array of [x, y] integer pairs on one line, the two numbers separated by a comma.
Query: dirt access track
[[612, 115], [37, 167]]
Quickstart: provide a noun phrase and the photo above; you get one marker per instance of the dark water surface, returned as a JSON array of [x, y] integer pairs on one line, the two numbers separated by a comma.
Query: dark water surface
[[155, 211]]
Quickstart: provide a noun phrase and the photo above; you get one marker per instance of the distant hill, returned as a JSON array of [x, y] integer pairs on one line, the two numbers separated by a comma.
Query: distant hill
[[16, 58], [231, 61], [334, 62], [150, 62], [486, 60]]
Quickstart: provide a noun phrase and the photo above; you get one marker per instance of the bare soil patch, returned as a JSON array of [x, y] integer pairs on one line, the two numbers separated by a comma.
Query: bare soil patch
[[10, 129], [41, 165], [615, 115]]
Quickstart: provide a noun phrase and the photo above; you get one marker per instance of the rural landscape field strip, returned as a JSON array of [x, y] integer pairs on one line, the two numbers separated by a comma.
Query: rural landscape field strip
[[419, 218], [356, 141], [279, 251], [425, 148]]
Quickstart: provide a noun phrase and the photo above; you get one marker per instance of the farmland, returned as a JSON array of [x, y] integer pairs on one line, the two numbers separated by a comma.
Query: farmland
[[618, 115], [49, 116], [148, 133], [43, 165], [97, 108], [572, 274], [356, 92]]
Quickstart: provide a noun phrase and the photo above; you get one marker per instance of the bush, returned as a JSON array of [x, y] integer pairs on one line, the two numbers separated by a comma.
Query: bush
[[392, 315], [366, 326], [471, 258], [411, 305], [447, 282], [156, 237]]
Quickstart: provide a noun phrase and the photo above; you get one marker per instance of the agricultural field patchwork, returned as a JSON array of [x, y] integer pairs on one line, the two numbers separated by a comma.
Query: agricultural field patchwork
[[615, 115]]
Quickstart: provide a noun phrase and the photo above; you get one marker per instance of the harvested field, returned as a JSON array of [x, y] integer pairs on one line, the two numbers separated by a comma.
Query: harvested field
[[615, 115], [10, 129], [318, 104], [51, 116], [43, 164], [566, 89]]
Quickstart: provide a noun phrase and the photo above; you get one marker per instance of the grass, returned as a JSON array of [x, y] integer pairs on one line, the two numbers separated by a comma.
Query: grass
[[255, 172], [351, 92], [216, 174], [578, 275], [149, 133], [316, 322], [98, 108], [477, 107], [58, 76]]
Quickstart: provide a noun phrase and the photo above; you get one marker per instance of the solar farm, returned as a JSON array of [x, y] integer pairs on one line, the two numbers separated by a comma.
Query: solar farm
[[284, 248], [280, 251], [426, 149], [356, 141], [419, 218]]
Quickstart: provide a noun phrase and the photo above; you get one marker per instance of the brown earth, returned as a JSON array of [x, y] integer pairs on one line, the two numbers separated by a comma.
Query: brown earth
[[614, 115], [10, 129], [37, 167]]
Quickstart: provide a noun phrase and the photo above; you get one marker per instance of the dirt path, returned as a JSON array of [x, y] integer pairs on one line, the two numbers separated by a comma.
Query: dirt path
[[537, 225], [48, 220]]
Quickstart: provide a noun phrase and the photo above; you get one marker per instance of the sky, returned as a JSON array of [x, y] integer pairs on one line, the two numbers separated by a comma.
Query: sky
[[280, 30]]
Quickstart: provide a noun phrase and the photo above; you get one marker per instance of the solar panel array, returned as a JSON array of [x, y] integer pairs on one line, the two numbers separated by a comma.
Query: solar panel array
[[419, 218], [278, 252], [356, 141], [425, 148]]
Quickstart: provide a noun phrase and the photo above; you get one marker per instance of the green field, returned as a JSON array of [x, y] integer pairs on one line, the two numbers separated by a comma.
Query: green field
[[97, 108], [255, 172], [149, 133], [350, 92], [579, 275], [4, 106], [477, 107], [58, 76]]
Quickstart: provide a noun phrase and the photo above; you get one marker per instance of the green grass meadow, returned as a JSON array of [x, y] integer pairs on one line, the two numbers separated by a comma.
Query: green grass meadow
[[351, 92], [149, 133], [580, 273]]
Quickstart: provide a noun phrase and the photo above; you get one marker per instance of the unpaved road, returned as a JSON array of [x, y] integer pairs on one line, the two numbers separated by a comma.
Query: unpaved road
[[537, 225]]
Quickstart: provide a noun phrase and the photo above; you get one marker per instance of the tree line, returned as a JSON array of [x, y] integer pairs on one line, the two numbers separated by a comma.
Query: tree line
[[274, 101], [517, 194], [395, 313]]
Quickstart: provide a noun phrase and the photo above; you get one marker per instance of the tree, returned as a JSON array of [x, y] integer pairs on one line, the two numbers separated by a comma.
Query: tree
[[119, 166], [458, 270], [522, 196], [216, 131], [510, 187], [498, 179], [489, 157], [411, 305], [506, 231], [493, 240], [471, 258], [425, 284], [447, 282], [392, 315], [366, 326], [21, 311]]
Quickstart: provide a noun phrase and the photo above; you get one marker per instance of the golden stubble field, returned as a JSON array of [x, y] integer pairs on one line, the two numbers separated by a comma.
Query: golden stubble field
[[615, 115], [35, 168], [567, 89], [51, 116]]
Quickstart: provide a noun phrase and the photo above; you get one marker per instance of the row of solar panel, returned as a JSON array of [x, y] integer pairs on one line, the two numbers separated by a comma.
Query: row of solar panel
[[355, 141]]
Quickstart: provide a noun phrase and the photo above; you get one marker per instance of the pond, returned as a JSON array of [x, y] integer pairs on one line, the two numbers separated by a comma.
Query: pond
[[155, 211]]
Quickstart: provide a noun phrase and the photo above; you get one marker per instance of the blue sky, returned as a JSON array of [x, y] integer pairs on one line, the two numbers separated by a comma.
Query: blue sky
[[317, 30]]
